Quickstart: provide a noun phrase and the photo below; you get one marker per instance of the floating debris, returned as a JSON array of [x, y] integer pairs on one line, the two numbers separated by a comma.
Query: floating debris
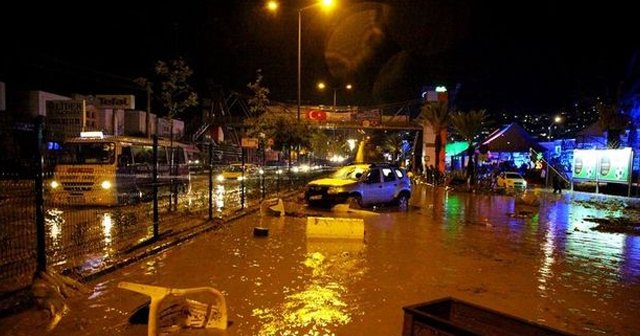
[[616, 225]]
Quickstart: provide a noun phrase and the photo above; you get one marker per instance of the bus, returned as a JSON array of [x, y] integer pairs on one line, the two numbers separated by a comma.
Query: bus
[[95, 169]]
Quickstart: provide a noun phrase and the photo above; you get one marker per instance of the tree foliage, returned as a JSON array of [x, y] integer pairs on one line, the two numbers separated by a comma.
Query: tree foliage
[[176, 94], [437, 116], [614, 121], [259, 101], [469, 126], [283, 128]]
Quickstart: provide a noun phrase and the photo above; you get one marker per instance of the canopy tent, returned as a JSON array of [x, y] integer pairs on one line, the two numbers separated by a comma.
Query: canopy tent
[[512, 138]]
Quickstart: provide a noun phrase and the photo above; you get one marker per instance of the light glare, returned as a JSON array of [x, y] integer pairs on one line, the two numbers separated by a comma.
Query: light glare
[[272, 6]]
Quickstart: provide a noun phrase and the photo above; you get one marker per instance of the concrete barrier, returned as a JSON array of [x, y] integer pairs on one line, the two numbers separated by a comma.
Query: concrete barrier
[[332, 227]]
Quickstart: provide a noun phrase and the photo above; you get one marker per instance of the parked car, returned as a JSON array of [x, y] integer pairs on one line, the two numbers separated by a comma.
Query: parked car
[[234, 172], [361, 185], [511, 180]]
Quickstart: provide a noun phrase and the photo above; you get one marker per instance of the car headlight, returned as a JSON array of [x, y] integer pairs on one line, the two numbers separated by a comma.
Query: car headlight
[[54, 184], [334, 190], [106, 185], [220, 178]]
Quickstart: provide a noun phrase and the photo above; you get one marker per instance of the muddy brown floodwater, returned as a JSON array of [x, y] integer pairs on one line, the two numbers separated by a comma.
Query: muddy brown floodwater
[[548, 267]]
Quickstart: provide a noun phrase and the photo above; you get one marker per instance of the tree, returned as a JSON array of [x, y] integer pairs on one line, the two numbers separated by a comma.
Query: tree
[[283, 128], [176, 95], [257, 106], [468, 126], [259, 102], [321, 144], [612, 120], [436, 115], [396, 144]]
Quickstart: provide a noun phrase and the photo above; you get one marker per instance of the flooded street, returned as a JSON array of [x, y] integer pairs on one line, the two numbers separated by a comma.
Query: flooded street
[[548, 267]]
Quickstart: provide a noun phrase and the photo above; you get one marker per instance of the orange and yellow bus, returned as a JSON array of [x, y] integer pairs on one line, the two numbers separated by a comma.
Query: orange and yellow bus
[[110, 170]]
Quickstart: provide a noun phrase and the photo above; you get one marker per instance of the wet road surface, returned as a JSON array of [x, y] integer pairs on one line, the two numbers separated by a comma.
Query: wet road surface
[[548, 267]]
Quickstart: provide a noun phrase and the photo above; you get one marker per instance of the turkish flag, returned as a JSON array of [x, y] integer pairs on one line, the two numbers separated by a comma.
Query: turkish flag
[[317, 115]]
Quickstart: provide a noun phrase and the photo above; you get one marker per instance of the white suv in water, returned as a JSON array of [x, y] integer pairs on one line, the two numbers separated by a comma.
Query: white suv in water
[[360, 185]]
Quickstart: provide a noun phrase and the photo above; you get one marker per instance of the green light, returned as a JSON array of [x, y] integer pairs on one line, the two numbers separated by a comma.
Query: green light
[[455, 148]]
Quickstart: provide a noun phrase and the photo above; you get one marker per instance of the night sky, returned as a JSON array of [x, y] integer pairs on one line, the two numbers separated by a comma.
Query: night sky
[[527, 56]]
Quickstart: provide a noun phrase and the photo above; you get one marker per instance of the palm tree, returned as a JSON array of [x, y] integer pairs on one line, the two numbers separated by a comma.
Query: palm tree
[[468, 126], [612, 120], [395, 143], [436, 116]]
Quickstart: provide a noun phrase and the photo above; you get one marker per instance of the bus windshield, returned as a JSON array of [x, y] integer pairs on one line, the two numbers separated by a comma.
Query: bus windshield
[[88, 153]]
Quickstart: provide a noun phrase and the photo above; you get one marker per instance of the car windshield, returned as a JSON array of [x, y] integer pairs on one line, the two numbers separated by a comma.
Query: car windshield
[[88, 153], [513, 176], [234, 169], [349, 172]]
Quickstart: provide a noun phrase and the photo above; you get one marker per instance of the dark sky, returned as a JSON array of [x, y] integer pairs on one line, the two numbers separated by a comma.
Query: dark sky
[[534, 56]]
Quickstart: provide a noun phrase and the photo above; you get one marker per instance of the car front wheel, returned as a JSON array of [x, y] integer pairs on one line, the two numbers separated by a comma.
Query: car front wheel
[[354, 202], [403, 201]]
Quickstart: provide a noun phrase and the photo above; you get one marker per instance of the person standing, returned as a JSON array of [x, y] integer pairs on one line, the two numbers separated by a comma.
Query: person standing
[[557, 184]]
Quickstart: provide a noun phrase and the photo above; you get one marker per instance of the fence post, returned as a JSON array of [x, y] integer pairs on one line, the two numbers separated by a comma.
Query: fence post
[[278, 172], [210, 179], [242, 182], [262, 186], [40, 229], [155, 186]]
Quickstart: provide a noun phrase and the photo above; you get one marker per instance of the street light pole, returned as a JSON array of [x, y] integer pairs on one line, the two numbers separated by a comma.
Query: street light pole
[[322, 86], [299, 57], [335, 90], [326, 4]]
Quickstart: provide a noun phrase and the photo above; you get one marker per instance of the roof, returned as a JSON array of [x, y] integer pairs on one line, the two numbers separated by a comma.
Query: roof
[[512, 138]]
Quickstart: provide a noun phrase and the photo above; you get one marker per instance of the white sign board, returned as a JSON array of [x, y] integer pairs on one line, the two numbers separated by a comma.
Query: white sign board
[[65, 118]]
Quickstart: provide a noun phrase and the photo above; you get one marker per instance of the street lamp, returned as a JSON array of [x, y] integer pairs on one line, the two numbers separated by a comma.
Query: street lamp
[[322, 86], [326, 4], [556, 120], [272, 5]]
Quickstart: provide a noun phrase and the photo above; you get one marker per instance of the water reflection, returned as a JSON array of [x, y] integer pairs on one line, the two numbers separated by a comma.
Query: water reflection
[[219, 197], [320, 305], [53, 222], [107, 225], [545, 273], [612, 252]]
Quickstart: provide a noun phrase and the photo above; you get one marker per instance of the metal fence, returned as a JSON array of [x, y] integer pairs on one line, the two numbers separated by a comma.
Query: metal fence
[[38, 231]]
